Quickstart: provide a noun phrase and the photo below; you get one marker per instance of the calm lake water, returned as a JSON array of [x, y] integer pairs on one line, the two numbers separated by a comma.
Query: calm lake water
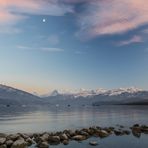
[[15, 119]]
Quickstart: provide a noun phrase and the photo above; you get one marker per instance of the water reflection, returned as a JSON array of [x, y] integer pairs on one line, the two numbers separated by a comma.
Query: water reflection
[[51, 118]]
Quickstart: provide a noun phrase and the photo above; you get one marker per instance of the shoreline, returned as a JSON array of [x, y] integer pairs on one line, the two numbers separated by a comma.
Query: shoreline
[[45, 139]]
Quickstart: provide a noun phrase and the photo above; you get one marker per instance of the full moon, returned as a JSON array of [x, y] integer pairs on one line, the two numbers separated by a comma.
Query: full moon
[[44, 20]]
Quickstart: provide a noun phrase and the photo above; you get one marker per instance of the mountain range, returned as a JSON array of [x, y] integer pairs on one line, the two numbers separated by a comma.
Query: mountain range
[[13, 96], [121, 96]]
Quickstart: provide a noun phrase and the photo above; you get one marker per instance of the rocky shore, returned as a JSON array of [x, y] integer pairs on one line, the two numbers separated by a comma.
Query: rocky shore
[[44, 140]]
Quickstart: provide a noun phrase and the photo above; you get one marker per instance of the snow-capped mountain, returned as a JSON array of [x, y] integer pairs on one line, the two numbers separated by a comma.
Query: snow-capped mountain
[[115, 92], [101, 96], [100, 91], [12, 96], [54, 93], [132, 95]]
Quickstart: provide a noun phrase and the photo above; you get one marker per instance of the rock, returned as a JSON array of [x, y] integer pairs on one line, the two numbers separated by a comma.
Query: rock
[[136, 125], [63, 137], [2, 140], [3, 146], [58, 133], [84, 133], [111, 128], [13, 137], [136, 131], [19, 144], [144, 129], [118, 133], [9, 143], [54, 139], [79, 137], [102, 133], [30, 135], [69, 133], [126, 132], [90, 132], [2, 135], [29, 141], [43, 145], [136, 134], [25, 136], [65, 142], [36, 135], [108, 130], [93, 143], [44, 137]]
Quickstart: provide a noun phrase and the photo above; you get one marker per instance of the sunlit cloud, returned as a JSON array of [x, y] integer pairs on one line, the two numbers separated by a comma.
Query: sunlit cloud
[[97, 17], [134, 39], [112, 17]]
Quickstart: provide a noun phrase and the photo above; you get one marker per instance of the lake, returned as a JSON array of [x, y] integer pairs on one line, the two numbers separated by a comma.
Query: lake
[[30, 119]]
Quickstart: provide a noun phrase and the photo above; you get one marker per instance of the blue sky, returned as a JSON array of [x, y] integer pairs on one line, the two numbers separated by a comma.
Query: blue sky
[[71, 44]]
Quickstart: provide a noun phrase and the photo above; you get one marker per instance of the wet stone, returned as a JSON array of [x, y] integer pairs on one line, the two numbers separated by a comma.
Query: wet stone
[[93, 143]]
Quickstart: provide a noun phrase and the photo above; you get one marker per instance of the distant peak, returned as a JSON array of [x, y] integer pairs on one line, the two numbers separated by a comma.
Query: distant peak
[[54, 93]]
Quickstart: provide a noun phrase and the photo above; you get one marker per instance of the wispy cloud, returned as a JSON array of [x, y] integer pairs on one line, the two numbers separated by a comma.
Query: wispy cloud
[[112, 17], [47, 49], [52, 49], [134, 39]]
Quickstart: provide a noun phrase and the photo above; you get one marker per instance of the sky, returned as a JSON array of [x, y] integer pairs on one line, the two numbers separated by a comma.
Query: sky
[[73, 44]]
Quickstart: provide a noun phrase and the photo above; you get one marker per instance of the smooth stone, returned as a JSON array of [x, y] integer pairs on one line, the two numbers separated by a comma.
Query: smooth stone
[[44, 137], [118, 132], [65, 142], [43, 145], [69, 133], [136, 134], [79, 137], [25, 136], [2, 135], [144, 129], [102, 133], [9, 142], [54, 139], [19, 144], [13, 137], [126, 132], [29, 141], [3, 146], [93, 143], [63, 137], [2, 140], [84, 133], [136, 131]]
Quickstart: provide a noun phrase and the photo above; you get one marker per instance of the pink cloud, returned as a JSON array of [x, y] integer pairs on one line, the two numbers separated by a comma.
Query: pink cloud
[[9, 18], [134, 39], [112, 17]]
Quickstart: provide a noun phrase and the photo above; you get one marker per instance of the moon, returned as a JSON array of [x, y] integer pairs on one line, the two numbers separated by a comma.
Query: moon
[[44, 20]]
